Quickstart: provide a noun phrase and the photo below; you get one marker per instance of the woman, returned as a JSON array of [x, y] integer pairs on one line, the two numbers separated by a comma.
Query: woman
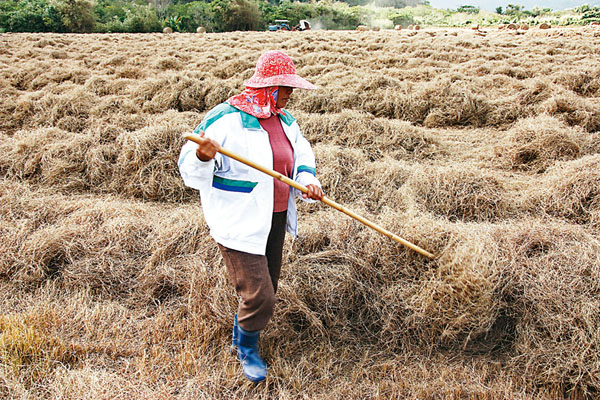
[[248, 211]]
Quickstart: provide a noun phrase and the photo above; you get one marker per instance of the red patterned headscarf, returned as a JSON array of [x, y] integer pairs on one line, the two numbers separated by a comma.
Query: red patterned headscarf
[[260, 102]]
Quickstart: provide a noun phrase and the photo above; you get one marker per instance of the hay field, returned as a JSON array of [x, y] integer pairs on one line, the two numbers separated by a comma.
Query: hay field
[[481, 147]]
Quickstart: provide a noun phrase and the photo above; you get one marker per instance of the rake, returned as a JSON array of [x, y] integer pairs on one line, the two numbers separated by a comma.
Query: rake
[[324, 199]]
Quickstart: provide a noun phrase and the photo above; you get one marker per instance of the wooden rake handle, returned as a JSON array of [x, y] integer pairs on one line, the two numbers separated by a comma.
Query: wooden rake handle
[[324, 199]]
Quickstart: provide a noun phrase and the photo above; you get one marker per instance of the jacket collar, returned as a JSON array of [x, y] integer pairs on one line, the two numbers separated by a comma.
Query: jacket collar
[[251, 122]]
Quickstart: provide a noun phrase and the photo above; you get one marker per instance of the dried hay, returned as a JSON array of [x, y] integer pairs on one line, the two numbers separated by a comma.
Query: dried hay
[[457, 303], [70, 108], [146, 164], [436, 104], [571, 190], [575, 111], [462, 193], [339, 169], [158, 95], [28, 352], [376, 136], [350, 179], [168, 63], [534, 144], [553, 299], [50, 157], [136, 164], [538, 91], [99, 243], [585, 83], [508, 309], [242, 67]]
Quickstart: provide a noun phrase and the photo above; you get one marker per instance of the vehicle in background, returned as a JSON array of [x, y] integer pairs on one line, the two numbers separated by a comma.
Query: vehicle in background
[[280, 25], [303, 25], [284, 25]]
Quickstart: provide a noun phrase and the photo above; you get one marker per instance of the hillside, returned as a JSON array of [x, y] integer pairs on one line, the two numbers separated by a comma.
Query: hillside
[[481, 147]]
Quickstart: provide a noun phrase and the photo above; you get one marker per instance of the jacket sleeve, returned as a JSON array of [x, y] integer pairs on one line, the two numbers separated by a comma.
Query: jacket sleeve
[[198, 174], [195, 173], [305, 165]]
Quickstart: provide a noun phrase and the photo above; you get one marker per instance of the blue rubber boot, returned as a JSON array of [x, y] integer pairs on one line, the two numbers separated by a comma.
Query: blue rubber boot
[[255, 368], [234, 335]]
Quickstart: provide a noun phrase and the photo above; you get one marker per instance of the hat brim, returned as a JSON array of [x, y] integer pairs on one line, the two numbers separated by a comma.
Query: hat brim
[[290, 80]]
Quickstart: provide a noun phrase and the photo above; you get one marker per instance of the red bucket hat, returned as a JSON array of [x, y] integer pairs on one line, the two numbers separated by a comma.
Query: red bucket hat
[[275, 68]]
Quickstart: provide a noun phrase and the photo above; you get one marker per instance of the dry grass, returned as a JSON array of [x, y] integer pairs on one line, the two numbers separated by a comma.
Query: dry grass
[[481, 149]]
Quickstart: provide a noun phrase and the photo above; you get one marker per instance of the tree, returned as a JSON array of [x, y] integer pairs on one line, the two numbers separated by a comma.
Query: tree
[[537, 11], [235, 15], [468, 9], [29, 16], [193, 14], [390, 3], [243, 15], [143, 19], [77, 15], [513, 9], [161, 7], [402, 18], [499, 10]]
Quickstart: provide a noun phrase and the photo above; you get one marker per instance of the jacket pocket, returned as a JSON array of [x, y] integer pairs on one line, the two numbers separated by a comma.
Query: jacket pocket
[[233, 185]]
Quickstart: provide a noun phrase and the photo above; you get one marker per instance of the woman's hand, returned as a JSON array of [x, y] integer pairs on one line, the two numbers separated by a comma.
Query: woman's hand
[[207, 148], [314, 192]]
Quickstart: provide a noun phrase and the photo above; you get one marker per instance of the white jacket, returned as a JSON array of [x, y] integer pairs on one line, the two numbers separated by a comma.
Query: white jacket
[[237, 200]]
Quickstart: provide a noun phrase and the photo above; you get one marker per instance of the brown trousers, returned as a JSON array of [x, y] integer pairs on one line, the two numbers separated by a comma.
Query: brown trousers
[[255, 277]]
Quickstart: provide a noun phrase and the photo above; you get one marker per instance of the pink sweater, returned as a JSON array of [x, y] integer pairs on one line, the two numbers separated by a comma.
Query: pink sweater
[[283, 159]]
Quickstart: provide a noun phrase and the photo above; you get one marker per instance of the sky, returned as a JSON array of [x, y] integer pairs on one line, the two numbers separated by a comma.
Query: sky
[[490, 5]]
